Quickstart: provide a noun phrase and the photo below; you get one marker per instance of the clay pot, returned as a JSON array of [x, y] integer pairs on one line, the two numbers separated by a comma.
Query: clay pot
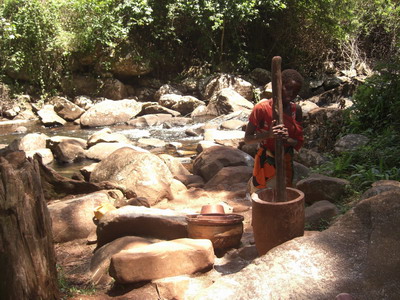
[[223, 230], [212, 209], [276, 222]]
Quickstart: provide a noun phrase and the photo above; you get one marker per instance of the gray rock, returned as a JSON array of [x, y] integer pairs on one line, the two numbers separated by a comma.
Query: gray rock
[[320, 214], [150, 120], [213, 159], [166, 89], [261, 76], [183, 104], [49, 117], [45, 154], [379, 189], [300, 172], [155, 108], [100, 261], [141, 221], [66, 109], [110, 112], [69, 151], [222, 81], [30, 142], [73, 219], [357, 255], [141, 172], [228, 101], [350, 142], [114, 89], [319, 187], [174, 165], [230, 177], [309, 157], [100, 151], [331, 82], [163, 259], [105, 135]]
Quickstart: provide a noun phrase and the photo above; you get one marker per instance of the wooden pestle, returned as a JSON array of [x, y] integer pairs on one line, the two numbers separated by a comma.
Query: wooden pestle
[[280, 187]]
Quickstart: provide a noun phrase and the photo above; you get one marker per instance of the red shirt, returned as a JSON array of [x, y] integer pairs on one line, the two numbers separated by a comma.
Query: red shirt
[[261, 118]]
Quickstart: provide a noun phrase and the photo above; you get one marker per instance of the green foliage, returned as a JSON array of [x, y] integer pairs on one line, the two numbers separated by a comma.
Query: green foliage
[[375, 114], [27, 44], [377, 102], [41, 40], [378, 160], [101, 23], [215, 31]]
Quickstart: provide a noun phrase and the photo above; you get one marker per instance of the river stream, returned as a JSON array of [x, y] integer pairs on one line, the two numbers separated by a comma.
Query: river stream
[[175, 134]]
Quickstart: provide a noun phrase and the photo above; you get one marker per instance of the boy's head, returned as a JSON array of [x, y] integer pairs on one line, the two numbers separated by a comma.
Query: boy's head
[[290, 74], [292, 82]]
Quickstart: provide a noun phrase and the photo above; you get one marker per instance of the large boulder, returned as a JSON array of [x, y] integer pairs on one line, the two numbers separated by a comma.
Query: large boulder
[[174, 165], [357, 255], [183, 104], [142, 172], [226, 102], [126, 64], [105, 135], [320, 214], [213, 159], [380, 187], [309, 157], [222, 81], [149, 120], [163, 259], [73, 219], [69, 151], [141, 221], [166, 89], [49, 117], [114, 89], [350, 142], [66, 109], [110, 112], [154, 108], [319, 187], [30, 142], [101, 150], [100, 261], [231, 177]]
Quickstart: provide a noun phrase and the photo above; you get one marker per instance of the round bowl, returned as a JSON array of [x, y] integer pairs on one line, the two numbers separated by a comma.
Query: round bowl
[[223, 230], [212, 209]]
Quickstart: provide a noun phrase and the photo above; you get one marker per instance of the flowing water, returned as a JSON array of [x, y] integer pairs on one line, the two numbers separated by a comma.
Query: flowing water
[[175, 134]]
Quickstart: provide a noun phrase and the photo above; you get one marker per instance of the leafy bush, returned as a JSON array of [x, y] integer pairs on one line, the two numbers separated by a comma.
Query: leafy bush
[[377, 102], [43, 39], [378, 160], [27, 44]]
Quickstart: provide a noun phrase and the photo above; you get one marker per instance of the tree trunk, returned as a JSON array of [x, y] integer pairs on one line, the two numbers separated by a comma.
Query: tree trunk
[[27, 255]]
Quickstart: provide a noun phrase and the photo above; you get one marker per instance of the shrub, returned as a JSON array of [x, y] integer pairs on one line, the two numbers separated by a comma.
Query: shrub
[[377, 102], [27, 42]]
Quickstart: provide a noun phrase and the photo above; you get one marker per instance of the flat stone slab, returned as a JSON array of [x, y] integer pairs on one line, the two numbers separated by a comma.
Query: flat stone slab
[[163, 259], [164, 224]]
